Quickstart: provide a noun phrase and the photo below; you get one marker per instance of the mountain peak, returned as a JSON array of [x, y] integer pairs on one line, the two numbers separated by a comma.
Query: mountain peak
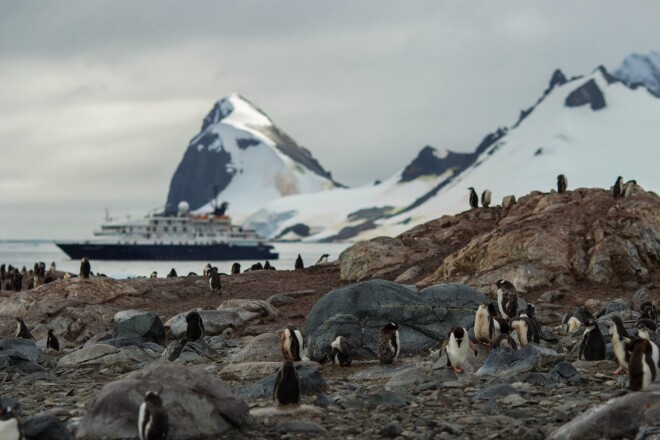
[[235, 108], [639, 68]]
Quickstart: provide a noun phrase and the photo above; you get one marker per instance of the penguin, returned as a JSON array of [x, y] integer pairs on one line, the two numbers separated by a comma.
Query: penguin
[[17, 281], [299, 263], [51, 341], [22, 330], [341, 352], [507, 299], [207, 269], [648, 311], [292, 343], [617, 190], [592, 347], [483, 325], [192, 274], [485, 198], [235, 268], [643, 333], [573, 324], [267, 266], [530, 314], [53, 267], [618, 333], [458, 346], [287, 385], [85, 268], [562, 184], [629, 187], [323, 259], [388, 343], [648, 323], [10, 424], [505, 341], [525, 331], [214, 282], [474, 199], [172, 274], [500, 325], [195, 328], [256, 266], [641, 367], [153, 423], [154, 274]]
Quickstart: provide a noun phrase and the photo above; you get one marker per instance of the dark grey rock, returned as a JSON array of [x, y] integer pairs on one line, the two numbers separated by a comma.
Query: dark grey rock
[[618, 305], [301, 426], [139, 329], [391, 430], [547, 335], [382, 398], [588, 93], [495, 392], [340, 324], [551, 296], [502, 360], [26, 347], [322, 400], [46, 428], [311, 383], [641, 296], [202, 405], [12, 361], [280, 300], [424, 318], [536, 379], [566, 371], [174, 350]]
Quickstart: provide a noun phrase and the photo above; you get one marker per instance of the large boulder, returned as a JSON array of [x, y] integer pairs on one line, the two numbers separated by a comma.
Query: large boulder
[[26, 347], [264, 308], [359, 312], [46, 428], [138, 329], [504, 361], [311, 383], [215, 322], [19, 355], [199, 405], [265, 347]]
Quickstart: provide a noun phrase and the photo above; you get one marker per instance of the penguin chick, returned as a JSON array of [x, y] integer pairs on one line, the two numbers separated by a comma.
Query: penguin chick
[[458, 347], [507, 299], [172, 273], [388, 343], [22, 330], [195, 328], [152, 421], [593, 346], [483, 325], [485, 198], [235, 268], [643, 332], [505, 341], [341, 352], [292, 343], [573, 324], [51, 341], [525, 331], [10, 424], [154, 274], [641, 367], [618, 333], [287, 385]]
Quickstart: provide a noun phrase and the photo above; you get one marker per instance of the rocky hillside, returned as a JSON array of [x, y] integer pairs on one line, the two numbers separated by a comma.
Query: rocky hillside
[[545, 240]]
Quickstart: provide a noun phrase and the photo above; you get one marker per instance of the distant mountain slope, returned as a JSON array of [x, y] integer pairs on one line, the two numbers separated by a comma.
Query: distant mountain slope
[[241, 157], [641, 69]]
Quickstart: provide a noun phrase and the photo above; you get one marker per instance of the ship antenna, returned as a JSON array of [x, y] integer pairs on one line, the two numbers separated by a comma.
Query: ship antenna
[[107, 215]]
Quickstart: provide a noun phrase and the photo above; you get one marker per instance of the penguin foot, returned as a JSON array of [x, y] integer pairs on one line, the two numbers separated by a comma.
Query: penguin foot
[[619, 370], [458, 370]]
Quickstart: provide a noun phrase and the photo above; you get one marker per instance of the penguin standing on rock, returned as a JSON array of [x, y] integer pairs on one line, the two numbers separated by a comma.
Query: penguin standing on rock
[[485, 198], [214, 282], [207, 269], [505, 341], [562, 184], [195, 328], [618, 333], [648, 311], [507, 299], [172, 274], [641, 368], [323, 259], [474, 199], [593, 346], [153, 422], [458, 347], [341, 352], [525, 331], [573, 324], [22, 330], [500, 325], [299, 263], [235, 268], [85, 268], [287, 385], [617, 190], [530, 314], [154, 274], [51, 341], [292, 343], [10, 424], [388, 343]]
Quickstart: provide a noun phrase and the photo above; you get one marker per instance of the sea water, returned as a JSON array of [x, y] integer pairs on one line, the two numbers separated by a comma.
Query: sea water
[[27, 252]]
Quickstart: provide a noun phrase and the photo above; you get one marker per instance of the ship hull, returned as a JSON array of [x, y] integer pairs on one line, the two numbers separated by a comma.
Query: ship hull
[[167, 252]]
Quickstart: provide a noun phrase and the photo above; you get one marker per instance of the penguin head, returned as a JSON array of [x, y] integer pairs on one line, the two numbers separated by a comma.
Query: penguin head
[[192, 316], [50, 332], [459, 334], [153, 398], [7, 413], [391, 326], [471, 188]]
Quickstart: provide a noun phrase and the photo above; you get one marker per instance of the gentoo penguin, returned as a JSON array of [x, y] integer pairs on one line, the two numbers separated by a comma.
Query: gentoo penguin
[[22, 330], [388, 343], [292, 343], [505, 341], [85, 268], [648, 311], [299, 263], [562, 184], [525, 331], [617, 190], [192, 274], [152, 421], [154, 274], [618, 333], [256, 266], [483, 325], [474, 199], [323, 259], [648, 323], [10, 424], [267, 266], [18, 281], [207, 269], [53, 267], [51, 341], [530, 314], [172, 274], [643, 332], [500, 325], [287, 386], [641, 367], [341, 352], [235, 268], [507, 299], [629, 187], [458, 347], [573, 324], [195, 328], [485, 198], [592, 347], [214, 281]]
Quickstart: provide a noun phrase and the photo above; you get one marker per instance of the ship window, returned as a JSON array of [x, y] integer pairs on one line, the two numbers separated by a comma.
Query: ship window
[[174, 229], [185, 229], [165, 229]]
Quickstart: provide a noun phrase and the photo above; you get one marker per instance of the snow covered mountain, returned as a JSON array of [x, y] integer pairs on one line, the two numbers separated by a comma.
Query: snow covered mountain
[[241, 157], [591, 128], [641, 69]]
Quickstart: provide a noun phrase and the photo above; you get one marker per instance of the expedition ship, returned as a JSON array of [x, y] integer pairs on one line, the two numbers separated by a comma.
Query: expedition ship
[[185, 236]]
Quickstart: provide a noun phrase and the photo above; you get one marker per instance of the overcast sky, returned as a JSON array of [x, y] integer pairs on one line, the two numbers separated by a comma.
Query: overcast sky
[[98, 99]]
